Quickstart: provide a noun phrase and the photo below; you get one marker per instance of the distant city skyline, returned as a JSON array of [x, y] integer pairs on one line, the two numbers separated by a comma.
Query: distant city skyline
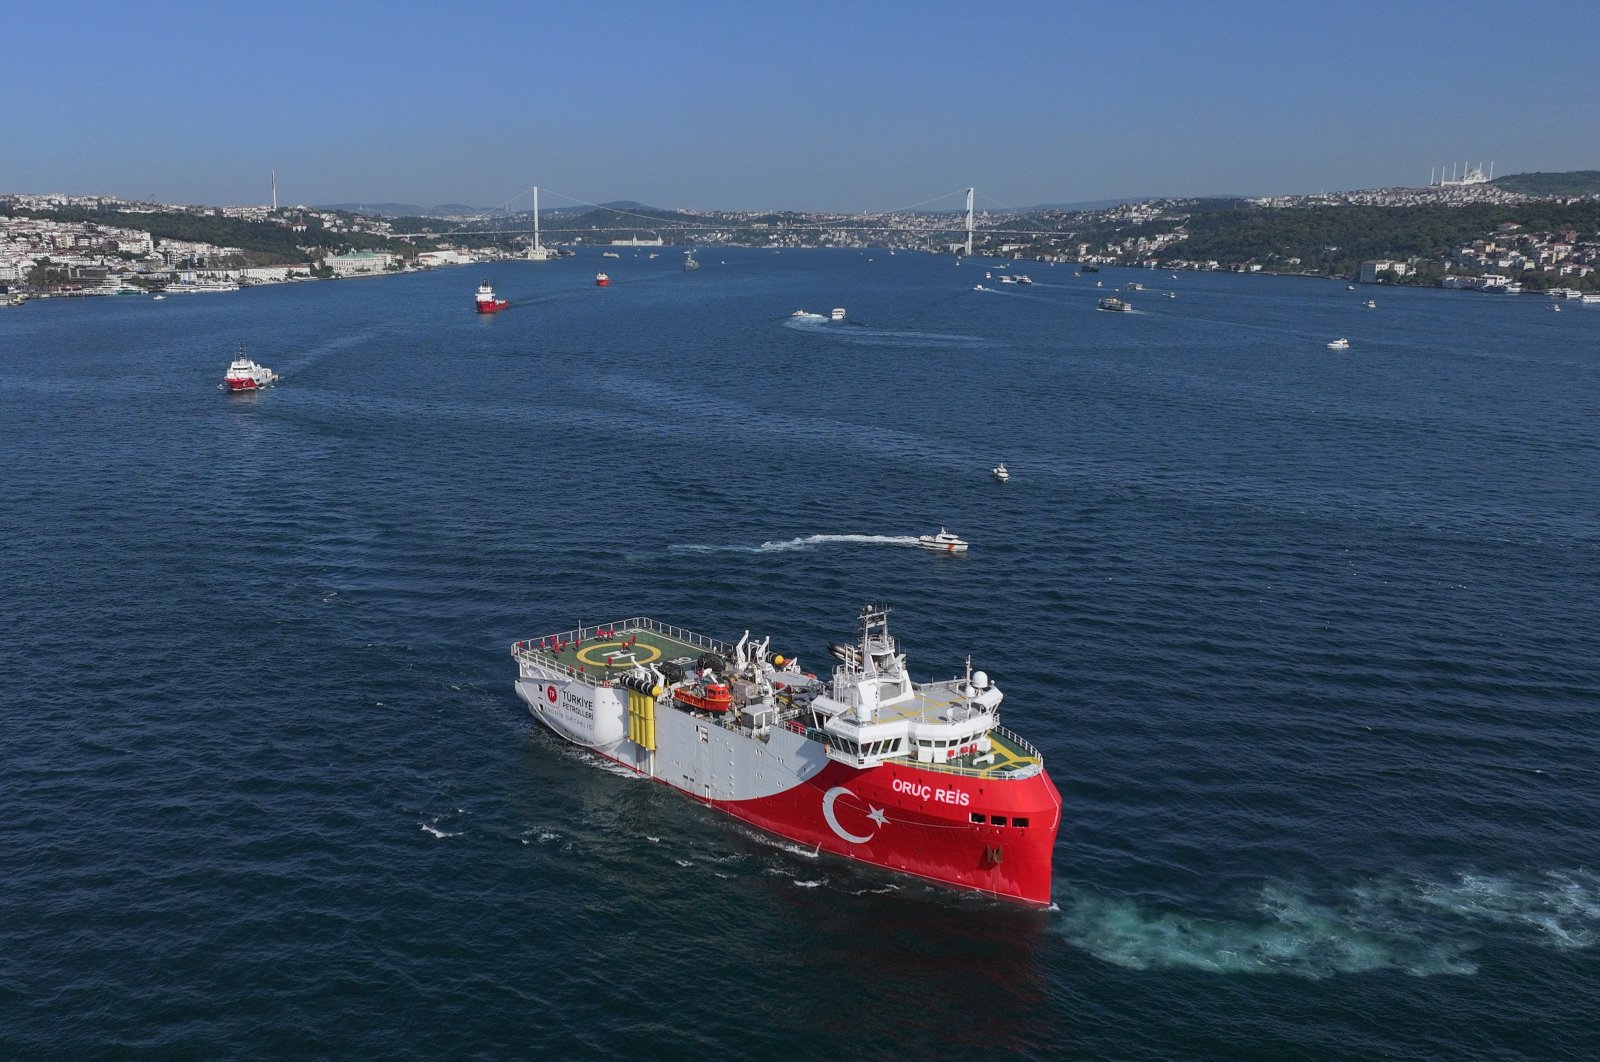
[[849, 108]]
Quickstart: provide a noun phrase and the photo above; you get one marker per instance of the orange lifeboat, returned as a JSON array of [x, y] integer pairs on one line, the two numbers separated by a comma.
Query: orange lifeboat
[[712, 696]]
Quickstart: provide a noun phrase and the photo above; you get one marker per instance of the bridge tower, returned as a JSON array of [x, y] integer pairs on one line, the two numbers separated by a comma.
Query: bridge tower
[[969, 221], [536, 251]]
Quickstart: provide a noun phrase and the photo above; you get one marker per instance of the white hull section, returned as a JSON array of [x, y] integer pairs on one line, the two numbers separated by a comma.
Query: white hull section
[[702, 759]]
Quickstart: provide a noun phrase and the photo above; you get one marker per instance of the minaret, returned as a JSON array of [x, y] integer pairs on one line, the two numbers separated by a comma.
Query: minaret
[[274, 190]]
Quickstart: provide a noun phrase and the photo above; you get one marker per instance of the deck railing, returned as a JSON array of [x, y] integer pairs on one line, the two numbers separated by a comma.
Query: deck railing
[[1004, 773], [529, 650]]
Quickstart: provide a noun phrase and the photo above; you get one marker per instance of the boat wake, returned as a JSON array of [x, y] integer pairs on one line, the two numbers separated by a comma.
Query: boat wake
[[866, 335], [1421, 928], [807, 542]]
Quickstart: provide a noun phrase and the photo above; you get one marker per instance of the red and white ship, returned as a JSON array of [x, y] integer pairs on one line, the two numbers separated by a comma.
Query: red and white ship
[[246, 375], [867, 764], [486, 301], [601, 280]]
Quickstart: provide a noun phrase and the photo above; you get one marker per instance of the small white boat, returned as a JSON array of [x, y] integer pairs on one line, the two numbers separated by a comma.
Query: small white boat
[[1555, 307], [802, 315], [158, 298], [1339, 344], [1172, 295], [837, 314], [999, 472], [610, 254], [1372, 304], [1023, 278], [1349, 287], [1007, 278], [943, 542]]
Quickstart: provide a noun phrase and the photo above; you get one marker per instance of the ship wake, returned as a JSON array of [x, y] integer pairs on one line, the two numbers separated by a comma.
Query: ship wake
[[1419, 927], [789, 545]]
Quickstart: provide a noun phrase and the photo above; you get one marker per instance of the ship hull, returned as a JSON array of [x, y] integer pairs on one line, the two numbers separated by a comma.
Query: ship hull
[[236, 386], [990, 835], [493, 307]]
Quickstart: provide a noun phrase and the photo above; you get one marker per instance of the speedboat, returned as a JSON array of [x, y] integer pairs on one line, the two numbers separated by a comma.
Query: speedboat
[[1114, 304], [158, 298], [245, 375], [610, 254], [1172, 295], [943, 542], [1349, 287], [1339, 344], [837, 314], [999, 472], [486, 302], [601, 280], [803, 315], [1372, 304], [1023, 278]]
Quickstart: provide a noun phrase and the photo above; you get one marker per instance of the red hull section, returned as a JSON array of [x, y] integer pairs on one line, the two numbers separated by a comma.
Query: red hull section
[[493, 307], [921, 822], [235, 386]]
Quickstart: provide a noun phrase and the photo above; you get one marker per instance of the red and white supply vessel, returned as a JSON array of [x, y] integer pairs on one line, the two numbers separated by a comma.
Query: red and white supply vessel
[[917, 778], [246, 375], [486, 302], [601, 280]]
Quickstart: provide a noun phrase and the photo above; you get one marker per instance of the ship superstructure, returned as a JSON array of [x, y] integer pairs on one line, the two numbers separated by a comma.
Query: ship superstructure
[[865, 763]]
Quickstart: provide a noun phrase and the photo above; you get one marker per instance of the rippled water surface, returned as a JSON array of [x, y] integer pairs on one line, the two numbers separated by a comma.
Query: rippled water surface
[[1309, 641]]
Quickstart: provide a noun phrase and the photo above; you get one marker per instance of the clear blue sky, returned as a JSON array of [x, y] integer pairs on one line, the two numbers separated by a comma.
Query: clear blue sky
[[828, 106]]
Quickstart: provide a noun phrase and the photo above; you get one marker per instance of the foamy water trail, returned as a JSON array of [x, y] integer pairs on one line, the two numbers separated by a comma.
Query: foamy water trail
[[807, 542], [1423, 928]]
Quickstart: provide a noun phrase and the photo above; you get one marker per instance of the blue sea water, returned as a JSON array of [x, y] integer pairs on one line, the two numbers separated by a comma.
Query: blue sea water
[[1309, 641]]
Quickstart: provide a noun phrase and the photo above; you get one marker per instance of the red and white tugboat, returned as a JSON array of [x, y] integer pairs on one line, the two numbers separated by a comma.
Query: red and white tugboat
[[486, 301], [246, 375], [918, 778], [601, 280]]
